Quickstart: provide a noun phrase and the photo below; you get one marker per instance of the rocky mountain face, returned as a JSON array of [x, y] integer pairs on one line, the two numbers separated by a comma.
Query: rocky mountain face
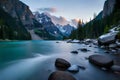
[[10, 29], [108, 7], [21, 16], [66, 29], [18, 10], [48, 25]]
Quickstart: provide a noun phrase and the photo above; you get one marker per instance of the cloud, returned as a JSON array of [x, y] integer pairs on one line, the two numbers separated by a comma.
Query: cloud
[[50, 10], [62, 20], [74, 22], [58, 20]]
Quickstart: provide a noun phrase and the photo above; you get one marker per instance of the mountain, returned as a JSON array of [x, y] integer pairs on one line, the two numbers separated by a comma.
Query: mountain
[[18, 10], [108, 18], [21, 16], [11, 29], [48, 25], [99, 16], [66, 29], [108, 7]]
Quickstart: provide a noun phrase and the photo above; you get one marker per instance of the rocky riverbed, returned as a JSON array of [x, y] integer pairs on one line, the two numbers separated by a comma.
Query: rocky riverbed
[[33, 62]]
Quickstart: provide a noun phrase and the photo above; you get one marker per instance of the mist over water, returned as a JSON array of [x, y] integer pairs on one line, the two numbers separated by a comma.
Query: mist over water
[[34, 60]]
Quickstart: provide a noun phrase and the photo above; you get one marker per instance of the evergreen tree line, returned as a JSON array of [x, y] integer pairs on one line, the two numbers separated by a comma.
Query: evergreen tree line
[[97, 27], [44, 34]]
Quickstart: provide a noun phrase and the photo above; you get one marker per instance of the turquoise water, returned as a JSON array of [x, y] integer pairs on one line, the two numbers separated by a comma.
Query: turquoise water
[[34, 60]]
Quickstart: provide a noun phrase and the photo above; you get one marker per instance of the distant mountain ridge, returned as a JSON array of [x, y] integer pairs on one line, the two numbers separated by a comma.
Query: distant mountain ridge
[[46, 21], [66, 30], [48, 25]]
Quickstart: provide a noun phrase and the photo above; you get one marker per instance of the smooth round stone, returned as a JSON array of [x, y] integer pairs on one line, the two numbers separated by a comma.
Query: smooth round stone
[[101, 61], [115, 68], [61, 75], [74, 68], [62, 64]]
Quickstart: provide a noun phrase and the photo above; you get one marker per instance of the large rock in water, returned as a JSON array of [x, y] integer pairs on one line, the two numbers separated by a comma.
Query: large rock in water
[[107, 38], [60, 75], [62, 64], [101, 61]]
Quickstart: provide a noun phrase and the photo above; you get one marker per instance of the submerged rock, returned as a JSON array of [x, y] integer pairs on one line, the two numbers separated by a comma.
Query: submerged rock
[[82, 67], [101, 61], [90, 45], [62, 64], [75, 52], [74, 68], [61, 75]]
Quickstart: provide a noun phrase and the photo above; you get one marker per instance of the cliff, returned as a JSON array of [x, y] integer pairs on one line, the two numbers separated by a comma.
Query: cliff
[[18, 10], [12, 29], [108, 7]]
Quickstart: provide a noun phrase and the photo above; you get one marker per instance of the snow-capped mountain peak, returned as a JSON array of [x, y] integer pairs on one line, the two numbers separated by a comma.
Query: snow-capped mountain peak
[[66, 29]]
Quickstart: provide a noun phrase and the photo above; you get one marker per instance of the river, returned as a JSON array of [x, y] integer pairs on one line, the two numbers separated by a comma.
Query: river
[[34, 60]]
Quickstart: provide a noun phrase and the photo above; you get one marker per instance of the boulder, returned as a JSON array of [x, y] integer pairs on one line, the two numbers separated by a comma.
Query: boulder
[[90, 45], [62, 64], [88, 40], [101, 61], [107, 38], [95, 42], [73, 41], [118, 44], [75, 52], [84, 49], [113, 51], [61, 75], [74, 68], [113, 46], [115, 68]]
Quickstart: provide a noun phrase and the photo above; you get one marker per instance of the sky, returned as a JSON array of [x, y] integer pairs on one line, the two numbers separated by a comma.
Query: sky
[[68, 9]]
